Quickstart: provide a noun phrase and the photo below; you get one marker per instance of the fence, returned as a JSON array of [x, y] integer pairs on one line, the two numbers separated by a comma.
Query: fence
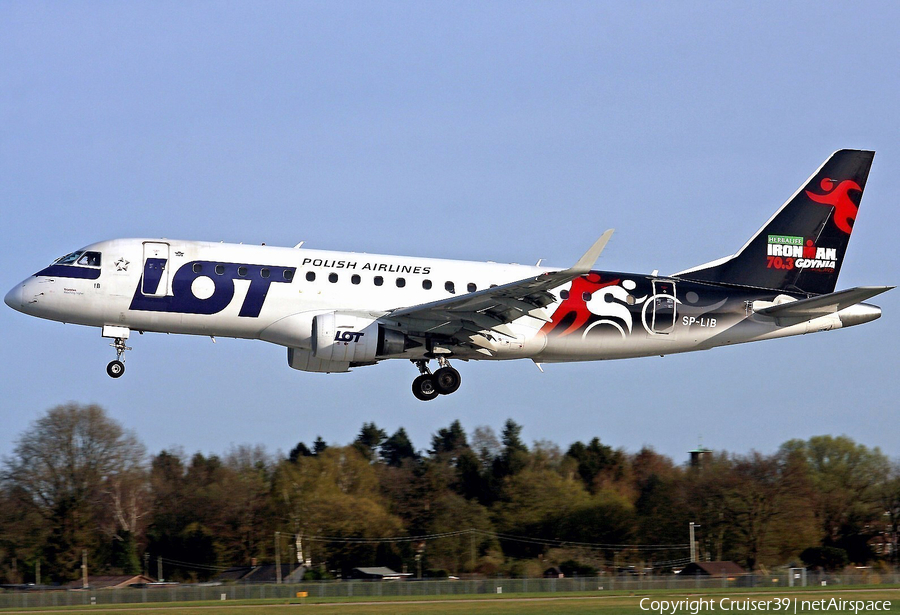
[[378, 589]]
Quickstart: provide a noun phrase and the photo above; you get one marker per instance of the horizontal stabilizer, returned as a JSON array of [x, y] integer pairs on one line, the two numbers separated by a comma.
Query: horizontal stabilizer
[[823, 304]]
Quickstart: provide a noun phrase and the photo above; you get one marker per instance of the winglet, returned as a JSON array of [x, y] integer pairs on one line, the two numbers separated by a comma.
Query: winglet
[[586, 262]]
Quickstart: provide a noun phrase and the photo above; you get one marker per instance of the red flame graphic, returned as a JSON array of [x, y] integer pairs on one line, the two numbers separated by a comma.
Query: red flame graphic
[[575, 303], [839, 198]]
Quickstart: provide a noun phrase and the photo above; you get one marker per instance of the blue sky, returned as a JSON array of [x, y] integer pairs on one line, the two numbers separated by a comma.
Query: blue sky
[[505, 131]]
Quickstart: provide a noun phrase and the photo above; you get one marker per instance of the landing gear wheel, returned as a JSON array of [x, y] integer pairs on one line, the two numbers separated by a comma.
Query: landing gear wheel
[[115, 369], [447, 380], [423, 388]]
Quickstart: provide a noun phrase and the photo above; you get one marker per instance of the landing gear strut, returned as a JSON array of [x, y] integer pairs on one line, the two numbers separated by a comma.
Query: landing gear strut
[[116, 368], [444, 381]]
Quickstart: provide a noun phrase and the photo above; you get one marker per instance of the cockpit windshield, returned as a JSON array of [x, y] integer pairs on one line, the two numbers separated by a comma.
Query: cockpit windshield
[[81, 257], [68, 259]]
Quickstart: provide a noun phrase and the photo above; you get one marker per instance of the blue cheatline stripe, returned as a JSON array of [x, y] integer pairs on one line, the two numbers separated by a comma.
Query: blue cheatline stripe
[[69, 271]]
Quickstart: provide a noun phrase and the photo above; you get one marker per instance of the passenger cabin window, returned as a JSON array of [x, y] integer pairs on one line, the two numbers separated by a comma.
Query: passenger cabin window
[[220, 269], [310, 276], [471, 287], [426, 284], [563, 294], [355, 279], [91, 259], [288, 275], [449, 287], [197, 267], [242, 271], [332, 277], [401, 282], [264, 272], [378, 280]]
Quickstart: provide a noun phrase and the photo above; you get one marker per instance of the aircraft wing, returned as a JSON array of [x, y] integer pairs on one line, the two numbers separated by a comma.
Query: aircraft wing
[[485, 314], [823, 304]]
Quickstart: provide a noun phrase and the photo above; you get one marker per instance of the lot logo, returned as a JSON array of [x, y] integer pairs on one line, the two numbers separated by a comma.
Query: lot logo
[[348, 336], [839, 198], [204, 287], [790, 252]]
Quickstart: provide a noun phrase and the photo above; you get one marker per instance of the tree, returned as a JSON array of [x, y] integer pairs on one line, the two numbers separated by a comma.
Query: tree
[[449, 441], [514, 455], [760, 492], [606, 517], [336, 493], [486, 445], [846, 479], [598, 464], [702, 497], [189, 501], [22, 535], [661, 519], [71, 466], [398, 448], [301, 450], [124, 517], [510, 437], [369, 440], [449, 513], [319, 446], [244, 524], [533, 504]]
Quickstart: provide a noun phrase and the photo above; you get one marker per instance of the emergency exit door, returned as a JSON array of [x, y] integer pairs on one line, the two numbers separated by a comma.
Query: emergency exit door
[[663, 318]]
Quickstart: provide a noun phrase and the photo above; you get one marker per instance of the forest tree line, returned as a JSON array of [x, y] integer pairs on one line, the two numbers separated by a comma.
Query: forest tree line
[[77, 481]]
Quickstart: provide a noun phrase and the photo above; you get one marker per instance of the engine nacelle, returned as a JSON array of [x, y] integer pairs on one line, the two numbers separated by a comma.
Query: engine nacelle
[[344, 337], [305, 361], [355, 339]]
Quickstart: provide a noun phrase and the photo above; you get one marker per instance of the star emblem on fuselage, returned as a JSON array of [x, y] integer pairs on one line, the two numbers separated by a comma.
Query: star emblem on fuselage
[[121, 265]]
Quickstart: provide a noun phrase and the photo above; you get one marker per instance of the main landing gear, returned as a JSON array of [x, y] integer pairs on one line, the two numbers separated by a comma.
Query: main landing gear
[[442, 382], [116, 368]]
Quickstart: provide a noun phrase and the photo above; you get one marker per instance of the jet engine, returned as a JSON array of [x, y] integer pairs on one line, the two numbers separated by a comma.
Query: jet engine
[[351, 338]]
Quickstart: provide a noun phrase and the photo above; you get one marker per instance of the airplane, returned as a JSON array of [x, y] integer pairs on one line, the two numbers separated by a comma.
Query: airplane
[[335, 311]]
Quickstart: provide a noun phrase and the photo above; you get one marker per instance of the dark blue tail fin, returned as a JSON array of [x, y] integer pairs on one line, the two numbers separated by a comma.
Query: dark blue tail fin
[[801, 248]]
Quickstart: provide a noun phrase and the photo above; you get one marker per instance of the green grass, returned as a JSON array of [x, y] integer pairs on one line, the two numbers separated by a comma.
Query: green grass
[[545, 604]]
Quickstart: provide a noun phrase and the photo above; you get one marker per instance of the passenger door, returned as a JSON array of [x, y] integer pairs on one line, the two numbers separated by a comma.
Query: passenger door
[[155, 281]]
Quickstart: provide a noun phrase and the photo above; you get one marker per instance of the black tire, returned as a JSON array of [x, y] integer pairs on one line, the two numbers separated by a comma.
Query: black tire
[[423, 388], [447, 380], [115, 369]]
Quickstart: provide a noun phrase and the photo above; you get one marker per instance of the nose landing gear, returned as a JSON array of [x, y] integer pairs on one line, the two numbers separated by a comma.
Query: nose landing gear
[[116, 368], [444, 381], [119, 335]]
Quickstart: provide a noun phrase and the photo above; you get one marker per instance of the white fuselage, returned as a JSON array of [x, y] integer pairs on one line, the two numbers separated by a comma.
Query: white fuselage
[[274, 294]]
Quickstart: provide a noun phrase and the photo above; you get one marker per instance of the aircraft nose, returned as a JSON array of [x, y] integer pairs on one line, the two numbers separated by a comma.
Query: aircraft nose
[[14, 298]]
